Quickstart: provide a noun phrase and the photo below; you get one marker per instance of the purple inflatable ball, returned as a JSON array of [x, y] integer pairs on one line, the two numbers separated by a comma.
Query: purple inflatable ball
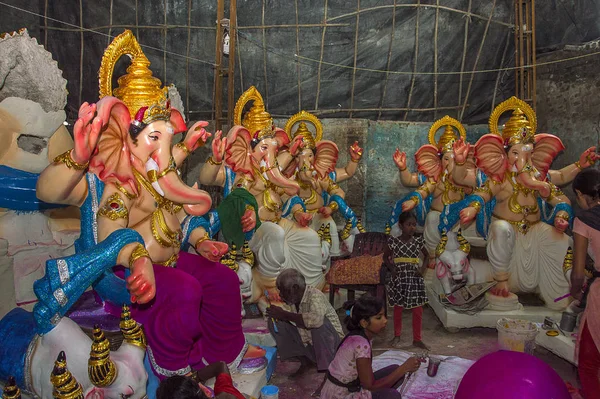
[[511, 375]]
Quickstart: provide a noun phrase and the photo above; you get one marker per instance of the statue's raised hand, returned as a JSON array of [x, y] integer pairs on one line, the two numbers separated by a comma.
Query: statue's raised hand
[[588, 157], [141, 283], [212, 250], [86, 132], [461, 152], [196, 136], [400, 159], [356, 152], [219, 144]]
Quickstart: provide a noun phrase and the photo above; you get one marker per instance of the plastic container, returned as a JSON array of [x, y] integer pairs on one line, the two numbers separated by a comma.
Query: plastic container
[[568, 321], [516, 335], [432, 367], [269, 392]]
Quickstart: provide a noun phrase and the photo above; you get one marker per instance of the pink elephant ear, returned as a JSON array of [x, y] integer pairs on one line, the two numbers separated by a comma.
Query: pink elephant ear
[[429, 162], [547, 147], [111, 160], [491, 157], [237, 153], [326, 157], [282, 138], [177, 121]]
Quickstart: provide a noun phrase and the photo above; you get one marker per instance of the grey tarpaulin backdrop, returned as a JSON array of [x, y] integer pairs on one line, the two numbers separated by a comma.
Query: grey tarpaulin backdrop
[[340, 58]]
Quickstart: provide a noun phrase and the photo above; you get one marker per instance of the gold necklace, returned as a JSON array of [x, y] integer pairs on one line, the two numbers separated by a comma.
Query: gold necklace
[[161, 201], [449, 186], [158, 221], [513, 202]]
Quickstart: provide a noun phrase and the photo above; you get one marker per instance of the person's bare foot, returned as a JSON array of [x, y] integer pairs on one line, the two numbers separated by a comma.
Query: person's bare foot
[[254, 352], [305, 365], [395, 343], [420, 345]]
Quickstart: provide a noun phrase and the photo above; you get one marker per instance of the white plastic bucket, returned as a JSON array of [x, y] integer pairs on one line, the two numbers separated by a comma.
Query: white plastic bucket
[[516, 335]]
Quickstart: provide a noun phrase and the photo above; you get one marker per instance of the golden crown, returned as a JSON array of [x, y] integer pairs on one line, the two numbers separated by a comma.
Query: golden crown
[[449, 136], [101, 369], [65, 386], [520, 128], [309, 140], [132, 332], [138, 88], [258, 121]]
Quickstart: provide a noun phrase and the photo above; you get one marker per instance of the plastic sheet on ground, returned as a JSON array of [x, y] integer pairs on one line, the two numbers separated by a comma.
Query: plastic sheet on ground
[[420, 385]]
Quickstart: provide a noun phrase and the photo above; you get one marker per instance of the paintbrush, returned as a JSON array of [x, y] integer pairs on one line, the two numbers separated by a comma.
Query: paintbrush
[[272, 318]]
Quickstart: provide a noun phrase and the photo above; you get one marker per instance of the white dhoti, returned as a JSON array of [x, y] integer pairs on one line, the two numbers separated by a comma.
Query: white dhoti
[[533, 261], [317, 221], [431, 233], [287, 245]]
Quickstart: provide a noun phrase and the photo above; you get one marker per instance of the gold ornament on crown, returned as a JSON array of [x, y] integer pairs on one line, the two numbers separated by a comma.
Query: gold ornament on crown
[[138, 88], [101, 369], [309, 140], [449, 136], [522, 125], [65, 386], [132, 332], [258, 121]]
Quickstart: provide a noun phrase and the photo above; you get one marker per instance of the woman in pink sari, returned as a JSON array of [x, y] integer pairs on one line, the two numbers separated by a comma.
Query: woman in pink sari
[[587, 232]]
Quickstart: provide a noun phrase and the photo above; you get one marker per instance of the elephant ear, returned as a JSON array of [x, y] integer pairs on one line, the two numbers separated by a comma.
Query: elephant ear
[[111, 160], [491, 157], [282, 138], [326, 158], [547, 147], [237, 153], [429, 162], [177, 121]]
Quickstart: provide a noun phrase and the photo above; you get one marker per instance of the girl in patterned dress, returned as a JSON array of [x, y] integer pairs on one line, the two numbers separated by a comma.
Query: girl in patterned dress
[[350, 375], [406, 286]]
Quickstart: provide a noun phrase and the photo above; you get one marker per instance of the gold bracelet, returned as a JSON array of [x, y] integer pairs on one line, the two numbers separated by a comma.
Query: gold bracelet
[[402, 170], [211, 161], [475, 205], [202, 239], [138, 252], [414, 199], [68, 160], [297, 211], [355, 160], [578, 164], [181, 145], [334, 206], [460, 164]]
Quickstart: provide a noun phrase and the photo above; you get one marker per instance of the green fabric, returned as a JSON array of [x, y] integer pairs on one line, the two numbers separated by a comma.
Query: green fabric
[[231, 210]]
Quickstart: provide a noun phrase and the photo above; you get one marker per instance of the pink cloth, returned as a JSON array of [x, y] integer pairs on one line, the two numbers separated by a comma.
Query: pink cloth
[[343, 367], [591, 315], [195, 318]]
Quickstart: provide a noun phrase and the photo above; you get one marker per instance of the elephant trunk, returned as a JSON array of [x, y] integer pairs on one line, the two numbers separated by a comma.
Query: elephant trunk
[[274, 174], [197, 202], [528, 180]]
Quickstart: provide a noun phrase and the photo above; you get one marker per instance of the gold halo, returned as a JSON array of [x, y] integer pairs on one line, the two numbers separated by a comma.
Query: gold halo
[[446, 121], [511, 104], [306, 117]]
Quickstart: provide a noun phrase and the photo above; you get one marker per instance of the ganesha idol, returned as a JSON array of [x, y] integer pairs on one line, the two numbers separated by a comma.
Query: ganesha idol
[[139, 215], [436, 186], [526, 244], [248, 163], [32, 100], [314, 168]]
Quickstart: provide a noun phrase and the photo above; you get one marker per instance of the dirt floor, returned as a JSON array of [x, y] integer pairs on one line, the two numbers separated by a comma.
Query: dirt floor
[[468, 343]]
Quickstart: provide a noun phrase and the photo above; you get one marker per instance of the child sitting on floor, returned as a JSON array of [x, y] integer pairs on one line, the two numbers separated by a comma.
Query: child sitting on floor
[[406, 286], [191, 387], [350, 375]]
